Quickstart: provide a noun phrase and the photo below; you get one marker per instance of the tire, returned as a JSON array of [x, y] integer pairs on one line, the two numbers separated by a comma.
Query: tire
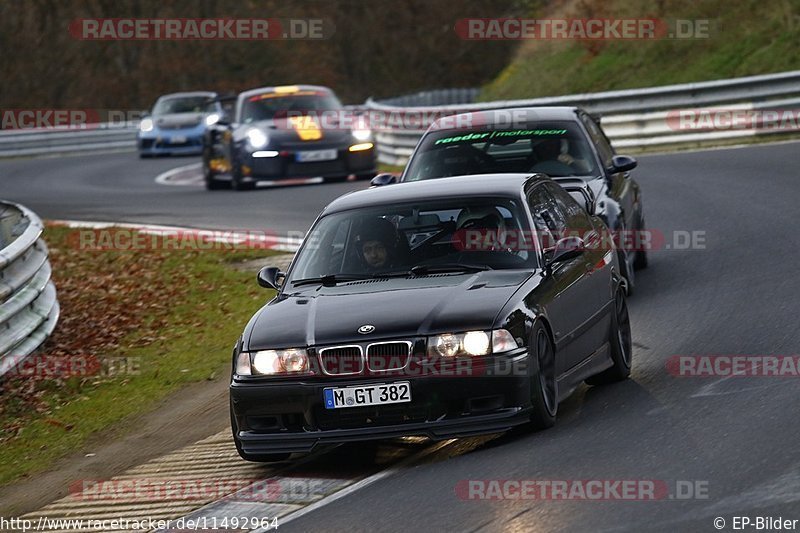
[[255, 458], [211, 182], [336, 179], [544, 387], [236, 179], [143, 155], [626, 272], [367, 176], [620, 343], [640, 261]]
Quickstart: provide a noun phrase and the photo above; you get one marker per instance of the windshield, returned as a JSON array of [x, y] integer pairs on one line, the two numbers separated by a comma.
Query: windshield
[[444, 235], [268, 106], [555, 148], [184, 104]]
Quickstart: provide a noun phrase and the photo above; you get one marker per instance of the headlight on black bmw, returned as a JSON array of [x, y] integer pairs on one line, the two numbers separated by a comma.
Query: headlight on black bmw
[[471, 343], [272, 362]]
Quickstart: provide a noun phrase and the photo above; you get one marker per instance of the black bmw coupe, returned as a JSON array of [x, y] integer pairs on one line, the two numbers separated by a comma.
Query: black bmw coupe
[[443, 308]]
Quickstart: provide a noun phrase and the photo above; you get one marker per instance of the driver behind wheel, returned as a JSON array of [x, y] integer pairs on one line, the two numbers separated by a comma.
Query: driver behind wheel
[[377, 244], [462, 160], [553, 157], [484, 225]]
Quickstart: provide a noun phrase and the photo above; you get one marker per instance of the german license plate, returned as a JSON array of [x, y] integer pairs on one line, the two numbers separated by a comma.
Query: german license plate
[[177, 140], [338, 397], [316, 155]]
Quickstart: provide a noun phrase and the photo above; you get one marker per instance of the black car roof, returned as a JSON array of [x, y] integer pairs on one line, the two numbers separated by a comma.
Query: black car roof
[[493, 118], [489, 185]]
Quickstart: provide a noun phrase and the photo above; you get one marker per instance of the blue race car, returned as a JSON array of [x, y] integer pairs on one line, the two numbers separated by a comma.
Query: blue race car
[[177, 123]]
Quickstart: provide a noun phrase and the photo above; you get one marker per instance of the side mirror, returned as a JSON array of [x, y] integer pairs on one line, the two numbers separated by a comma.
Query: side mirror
[[268, 277], [566, 249], [383, 179], [623, 163]]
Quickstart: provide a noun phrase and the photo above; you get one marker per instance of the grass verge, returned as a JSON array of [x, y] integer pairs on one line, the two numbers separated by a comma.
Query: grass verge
[[155, 320]]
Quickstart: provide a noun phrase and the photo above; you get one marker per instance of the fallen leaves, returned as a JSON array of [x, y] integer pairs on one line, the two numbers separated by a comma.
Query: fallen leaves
[[106, 298]]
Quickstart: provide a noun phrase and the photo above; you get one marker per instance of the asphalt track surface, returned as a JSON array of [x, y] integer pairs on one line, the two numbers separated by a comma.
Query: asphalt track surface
[[737, 294]]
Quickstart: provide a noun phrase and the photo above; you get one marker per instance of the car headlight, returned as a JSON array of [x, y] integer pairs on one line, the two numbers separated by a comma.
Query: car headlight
[[447, 345], [362, 134], [471, 343], [256, 138], [476, 343], [146, 124], [212, 119], [272, 362]]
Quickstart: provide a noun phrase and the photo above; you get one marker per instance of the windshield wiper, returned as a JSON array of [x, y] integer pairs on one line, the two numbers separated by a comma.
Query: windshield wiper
[[330, 280], [424, 270]]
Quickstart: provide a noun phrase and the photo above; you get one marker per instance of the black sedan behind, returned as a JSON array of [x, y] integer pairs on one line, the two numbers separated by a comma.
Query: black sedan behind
[[566, 143]]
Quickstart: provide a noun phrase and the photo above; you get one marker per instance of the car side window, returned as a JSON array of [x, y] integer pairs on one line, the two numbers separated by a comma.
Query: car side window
[[577, 220], [549, 218], [599, 139], [333, 246]]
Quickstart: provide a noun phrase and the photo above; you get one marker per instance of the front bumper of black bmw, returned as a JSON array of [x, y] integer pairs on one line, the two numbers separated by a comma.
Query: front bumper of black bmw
[[282, 416]]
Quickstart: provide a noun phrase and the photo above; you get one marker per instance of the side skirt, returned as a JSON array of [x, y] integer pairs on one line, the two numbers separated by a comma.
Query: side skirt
[[594, 364]]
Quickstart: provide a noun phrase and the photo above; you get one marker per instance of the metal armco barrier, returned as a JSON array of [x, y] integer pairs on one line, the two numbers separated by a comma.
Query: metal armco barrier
[[28, 305], [634, 119], [95, 138]]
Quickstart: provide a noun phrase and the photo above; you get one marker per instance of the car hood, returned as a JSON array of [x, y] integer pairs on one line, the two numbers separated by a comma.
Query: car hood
[[404, 307], [178, 120], [299, 135]]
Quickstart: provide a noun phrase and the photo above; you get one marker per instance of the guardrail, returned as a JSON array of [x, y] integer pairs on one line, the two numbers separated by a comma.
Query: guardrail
[[94, 138], [99, 137], [28, 305], [634, 119]]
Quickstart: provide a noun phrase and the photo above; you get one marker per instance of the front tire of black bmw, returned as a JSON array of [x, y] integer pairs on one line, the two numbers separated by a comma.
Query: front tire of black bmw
[[544, 387], [255, 458], [620, 344]]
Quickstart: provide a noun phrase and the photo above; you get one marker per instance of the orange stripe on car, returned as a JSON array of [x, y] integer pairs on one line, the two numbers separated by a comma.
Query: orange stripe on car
[[306, 127]]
